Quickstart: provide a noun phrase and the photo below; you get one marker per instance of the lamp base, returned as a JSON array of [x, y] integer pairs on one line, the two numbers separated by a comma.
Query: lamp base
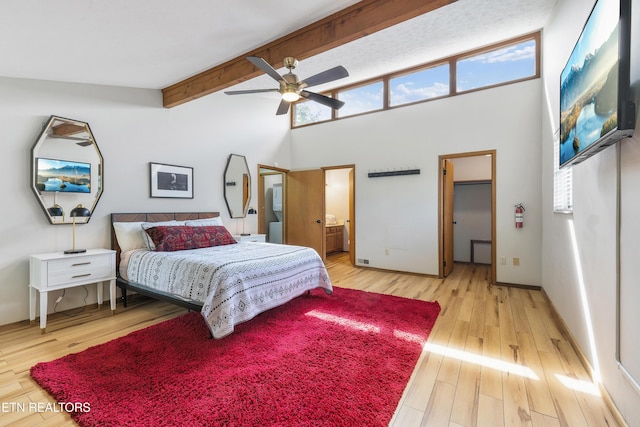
[[74, 251]]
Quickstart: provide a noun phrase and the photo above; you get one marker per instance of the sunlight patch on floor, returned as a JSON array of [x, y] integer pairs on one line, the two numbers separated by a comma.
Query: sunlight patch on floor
[[579, 385], [585, 305], [489, 362], [408, 336], [343, 321]]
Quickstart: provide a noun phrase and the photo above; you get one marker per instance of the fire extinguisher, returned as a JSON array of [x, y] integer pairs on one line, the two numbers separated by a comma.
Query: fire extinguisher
[[519, 215]]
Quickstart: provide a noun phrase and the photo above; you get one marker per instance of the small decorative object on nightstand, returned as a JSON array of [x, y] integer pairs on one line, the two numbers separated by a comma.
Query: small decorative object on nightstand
[[59, 270], [261, 238], [78, 211]]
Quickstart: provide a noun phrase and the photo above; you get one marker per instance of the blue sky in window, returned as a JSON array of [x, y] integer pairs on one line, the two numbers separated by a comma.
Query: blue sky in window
[[502, 65], [424, 84], [361, 99], [310, 112]]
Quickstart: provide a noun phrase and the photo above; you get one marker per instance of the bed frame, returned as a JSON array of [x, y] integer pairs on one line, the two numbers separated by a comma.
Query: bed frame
[[125, 285]]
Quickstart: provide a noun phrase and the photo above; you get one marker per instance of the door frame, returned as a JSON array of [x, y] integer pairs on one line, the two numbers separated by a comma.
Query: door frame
[[441, 158]]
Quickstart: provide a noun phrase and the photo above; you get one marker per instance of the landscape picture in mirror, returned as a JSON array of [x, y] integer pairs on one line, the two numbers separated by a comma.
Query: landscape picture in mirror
[[595, 96], [63, 176]]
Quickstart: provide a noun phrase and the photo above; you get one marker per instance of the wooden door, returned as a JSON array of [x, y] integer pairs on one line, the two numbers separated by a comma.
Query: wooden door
[[246, 192], [447, 216], [305, 209]]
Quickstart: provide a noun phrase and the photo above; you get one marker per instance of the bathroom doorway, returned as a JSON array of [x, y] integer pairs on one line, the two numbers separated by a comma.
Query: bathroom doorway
[[340, 210]]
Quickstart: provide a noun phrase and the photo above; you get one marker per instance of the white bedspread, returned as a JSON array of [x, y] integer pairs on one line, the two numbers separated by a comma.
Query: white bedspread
[[234, 282]]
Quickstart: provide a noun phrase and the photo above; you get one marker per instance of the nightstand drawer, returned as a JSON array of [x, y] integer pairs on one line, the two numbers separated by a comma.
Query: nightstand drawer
[[87, 268], [80, 275], [90, 262]]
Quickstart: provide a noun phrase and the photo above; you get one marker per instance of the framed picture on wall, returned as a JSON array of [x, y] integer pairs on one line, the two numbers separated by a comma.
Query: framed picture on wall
[[171, 181]]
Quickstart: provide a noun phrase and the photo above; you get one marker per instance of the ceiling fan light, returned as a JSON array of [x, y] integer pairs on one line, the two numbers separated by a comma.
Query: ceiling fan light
[[290, 96]]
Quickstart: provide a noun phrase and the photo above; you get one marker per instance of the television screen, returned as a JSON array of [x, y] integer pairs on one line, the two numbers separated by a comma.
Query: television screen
[[63, 175], [594, 85]]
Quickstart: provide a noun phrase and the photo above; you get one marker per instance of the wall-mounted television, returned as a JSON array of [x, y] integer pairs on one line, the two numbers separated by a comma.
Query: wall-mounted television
[[65, 176], [596, 107]]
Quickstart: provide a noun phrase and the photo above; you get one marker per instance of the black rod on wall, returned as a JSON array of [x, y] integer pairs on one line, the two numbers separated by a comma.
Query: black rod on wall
[[394, 173]]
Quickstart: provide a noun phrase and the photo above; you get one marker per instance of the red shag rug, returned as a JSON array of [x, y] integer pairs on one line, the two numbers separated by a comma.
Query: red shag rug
[[338, 360]]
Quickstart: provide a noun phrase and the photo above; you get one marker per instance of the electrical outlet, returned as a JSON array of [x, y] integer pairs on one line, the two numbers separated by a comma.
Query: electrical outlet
[[516, 262], [386, 251], [503, 260]]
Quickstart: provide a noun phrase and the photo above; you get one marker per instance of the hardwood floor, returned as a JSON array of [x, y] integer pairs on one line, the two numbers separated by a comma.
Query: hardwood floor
[[496, 356]]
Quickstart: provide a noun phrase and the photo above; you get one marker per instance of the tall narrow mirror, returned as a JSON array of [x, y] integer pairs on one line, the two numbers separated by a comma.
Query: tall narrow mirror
[[237, 186], [66, 169]]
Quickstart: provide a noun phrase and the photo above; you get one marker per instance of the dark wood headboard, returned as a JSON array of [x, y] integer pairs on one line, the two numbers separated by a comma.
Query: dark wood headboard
[[152, 217]]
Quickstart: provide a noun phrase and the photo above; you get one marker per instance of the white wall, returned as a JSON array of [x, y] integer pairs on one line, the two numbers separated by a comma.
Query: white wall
[[585, 293], [132, 129], [404, 209]]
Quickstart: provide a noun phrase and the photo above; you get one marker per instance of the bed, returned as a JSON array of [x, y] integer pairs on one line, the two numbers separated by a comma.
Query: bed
[[228, 282]]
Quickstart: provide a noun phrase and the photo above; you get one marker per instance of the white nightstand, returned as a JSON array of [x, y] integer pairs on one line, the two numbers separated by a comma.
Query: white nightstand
[[54, 271], [261, 238]]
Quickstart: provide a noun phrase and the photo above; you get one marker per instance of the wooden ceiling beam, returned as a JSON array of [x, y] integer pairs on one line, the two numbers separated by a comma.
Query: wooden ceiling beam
[[361, 19], [66, 129]]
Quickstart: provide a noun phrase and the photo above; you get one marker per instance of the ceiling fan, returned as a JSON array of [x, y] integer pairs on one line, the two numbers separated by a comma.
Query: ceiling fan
[[292, 88]]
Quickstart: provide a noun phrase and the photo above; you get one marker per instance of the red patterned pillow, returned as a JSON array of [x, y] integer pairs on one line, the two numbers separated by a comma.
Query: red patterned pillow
[[182, 237]]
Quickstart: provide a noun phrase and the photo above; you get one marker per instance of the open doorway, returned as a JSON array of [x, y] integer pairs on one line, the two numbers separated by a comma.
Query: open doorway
[[339, 211], [271, 203], [467, 210]]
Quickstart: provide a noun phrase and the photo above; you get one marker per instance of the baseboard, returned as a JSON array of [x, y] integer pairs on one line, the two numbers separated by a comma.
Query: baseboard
[[584, 361], [516, 285], [385, 270]]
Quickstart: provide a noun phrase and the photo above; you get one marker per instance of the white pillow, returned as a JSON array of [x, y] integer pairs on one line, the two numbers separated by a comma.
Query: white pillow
[[205, 222], [148, 243], [129, 235]]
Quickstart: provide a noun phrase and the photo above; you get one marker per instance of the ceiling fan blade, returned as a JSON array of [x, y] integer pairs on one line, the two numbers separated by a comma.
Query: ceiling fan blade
[[329, 75], [242, 92], [336, 104], [264, 66], [283, 108]]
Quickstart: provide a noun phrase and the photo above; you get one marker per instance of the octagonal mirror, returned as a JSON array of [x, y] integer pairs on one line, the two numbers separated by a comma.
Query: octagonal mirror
[[66, 170], [237, 186]]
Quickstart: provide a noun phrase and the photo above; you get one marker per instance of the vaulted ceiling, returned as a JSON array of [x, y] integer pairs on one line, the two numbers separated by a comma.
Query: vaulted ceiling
[[190, 49]]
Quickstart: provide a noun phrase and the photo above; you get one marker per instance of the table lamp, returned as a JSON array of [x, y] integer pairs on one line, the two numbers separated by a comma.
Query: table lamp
[[56, 211], [78, 211]]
